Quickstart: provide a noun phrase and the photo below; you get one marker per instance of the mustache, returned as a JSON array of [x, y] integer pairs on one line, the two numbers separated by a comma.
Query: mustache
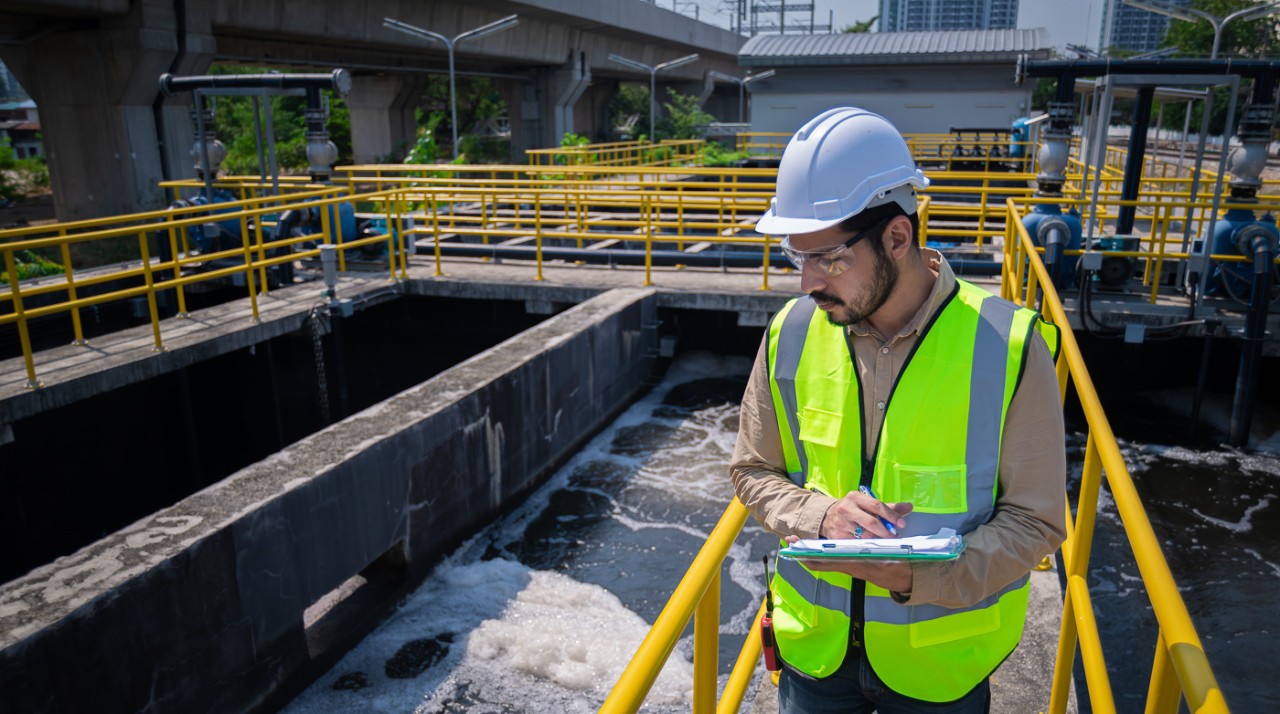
[[825, 297]]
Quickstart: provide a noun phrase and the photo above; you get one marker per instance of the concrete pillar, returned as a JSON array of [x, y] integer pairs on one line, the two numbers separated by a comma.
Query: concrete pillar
[[383, 127], [109, 133], [524, 114], [559, 92]]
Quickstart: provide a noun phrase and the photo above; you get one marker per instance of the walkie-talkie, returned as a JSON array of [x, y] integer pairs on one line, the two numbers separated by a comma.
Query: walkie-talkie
[[767, 643]]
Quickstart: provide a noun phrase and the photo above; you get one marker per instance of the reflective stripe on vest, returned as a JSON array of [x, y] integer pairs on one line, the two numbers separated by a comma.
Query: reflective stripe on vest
[[976, 339]]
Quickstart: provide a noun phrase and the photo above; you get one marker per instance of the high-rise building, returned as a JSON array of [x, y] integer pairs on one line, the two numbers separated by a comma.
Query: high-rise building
[[1132, 28], [927, 15]]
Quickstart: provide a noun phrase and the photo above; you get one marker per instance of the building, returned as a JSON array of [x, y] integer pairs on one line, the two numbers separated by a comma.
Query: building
[[934, 15], [1131, 28], [920, 81], [20, 124]]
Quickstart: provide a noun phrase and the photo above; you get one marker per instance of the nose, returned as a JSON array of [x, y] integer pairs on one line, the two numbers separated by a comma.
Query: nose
[[812, 279]]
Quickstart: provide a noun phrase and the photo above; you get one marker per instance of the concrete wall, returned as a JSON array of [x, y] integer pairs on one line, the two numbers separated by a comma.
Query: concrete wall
[[200, 607], [910, 112], [928, 98]]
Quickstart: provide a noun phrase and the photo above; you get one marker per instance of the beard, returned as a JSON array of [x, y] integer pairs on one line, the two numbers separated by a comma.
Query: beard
[[860, 307]]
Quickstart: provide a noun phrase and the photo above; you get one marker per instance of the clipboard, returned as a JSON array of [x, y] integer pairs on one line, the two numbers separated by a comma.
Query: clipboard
[[943, 545]]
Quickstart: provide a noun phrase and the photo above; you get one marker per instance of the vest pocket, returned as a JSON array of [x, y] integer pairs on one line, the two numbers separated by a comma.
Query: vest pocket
[[818, 426], [929, 488], [956, 626]]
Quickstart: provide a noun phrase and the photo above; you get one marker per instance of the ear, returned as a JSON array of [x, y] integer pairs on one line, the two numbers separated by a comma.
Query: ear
[[898, 237]]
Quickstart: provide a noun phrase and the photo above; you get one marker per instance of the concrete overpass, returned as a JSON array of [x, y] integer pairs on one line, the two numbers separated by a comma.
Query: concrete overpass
[[110, 135]]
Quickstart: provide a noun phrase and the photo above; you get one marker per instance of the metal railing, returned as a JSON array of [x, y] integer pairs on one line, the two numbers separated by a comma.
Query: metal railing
[[668, 152], [1181, 669], [165, 260]]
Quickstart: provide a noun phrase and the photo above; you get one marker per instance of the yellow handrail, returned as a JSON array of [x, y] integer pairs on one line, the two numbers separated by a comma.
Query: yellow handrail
[[1177, 642]]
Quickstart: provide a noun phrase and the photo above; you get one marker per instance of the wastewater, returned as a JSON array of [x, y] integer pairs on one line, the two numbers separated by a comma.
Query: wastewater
[[541, 610]]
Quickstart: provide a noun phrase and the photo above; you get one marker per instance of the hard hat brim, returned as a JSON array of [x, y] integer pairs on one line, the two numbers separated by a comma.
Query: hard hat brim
[[773, 224], [904, 195]]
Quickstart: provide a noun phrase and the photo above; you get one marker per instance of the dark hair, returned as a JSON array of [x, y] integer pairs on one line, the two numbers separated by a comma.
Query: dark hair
[[861, 221]]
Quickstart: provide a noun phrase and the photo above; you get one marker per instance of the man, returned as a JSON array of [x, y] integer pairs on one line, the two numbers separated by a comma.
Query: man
[[938, 396]]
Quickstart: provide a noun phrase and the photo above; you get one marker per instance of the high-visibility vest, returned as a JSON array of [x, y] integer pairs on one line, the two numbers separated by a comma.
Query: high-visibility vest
[[938, 448]]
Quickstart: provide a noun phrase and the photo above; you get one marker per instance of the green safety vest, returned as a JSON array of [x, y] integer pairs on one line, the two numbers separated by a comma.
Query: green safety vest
[[939, 448]]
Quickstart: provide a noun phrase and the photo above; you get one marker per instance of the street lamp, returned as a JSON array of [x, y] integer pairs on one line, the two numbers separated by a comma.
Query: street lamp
[[653, 73], [477, 33], [1191, 14], [742, 85]]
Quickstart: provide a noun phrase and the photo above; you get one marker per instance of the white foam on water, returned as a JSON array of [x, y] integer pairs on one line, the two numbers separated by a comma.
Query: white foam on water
[[1241, 526], [540, 641], [529, 639], [1274, 568]]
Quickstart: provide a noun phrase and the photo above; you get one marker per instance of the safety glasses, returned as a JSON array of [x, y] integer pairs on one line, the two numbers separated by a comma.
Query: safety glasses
[[832, 261]]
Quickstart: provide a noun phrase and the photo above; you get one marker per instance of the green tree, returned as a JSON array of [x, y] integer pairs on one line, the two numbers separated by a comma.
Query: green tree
[[864, 26], [685, 117], [1254, 39], [632, 100]]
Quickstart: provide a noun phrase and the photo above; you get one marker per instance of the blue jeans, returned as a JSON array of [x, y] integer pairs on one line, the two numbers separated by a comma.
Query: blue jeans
[[855, 689]]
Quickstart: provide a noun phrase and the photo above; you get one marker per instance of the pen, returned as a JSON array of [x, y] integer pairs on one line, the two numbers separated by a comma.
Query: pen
[[887, 523]]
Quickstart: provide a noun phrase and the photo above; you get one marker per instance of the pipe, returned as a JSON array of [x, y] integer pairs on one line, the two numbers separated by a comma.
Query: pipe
[[339, 80], [623, 256], [1255, 328], [1133, 163], [1098, 68]]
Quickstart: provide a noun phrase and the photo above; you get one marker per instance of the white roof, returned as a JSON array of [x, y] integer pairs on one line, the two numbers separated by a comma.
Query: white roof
[[862, 48]]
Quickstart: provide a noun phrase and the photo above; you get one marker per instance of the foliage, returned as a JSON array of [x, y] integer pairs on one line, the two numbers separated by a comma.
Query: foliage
[[864, 26], [570, 140], [425, 150], [478, 100], [20, 177], [685, 118], [1255, 39], [713, 154], [30, 265], [631, 100]]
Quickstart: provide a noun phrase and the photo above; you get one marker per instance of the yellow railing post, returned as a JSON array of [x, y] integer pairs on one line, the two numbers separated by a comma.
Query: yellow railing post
[[24, 337], [765, 285], [151, 291], [65, 250], [249, 279], [648, 239], [537, 230], [435, 229], [177, 269], [1163, 694], [706, 648]]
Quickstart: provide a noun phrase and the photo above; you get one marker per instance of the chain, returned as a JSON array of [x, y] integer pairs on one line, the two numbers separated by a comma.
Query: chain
[[322, 382]]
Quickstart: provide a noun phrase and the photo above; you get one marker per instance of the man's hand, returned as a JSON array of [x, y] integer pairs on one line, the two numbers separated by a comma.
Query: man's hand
[[888, 574], [859, 509]]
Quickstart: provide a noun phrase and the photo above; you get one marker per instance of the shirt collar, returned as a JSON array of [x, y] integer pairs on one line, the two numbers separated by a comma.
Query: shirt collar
[[942, 287]]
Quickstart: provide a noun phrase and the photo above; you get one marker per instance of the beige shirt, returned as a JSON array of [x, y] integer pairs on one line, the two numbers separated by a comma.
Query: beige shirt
[[1029, 521]]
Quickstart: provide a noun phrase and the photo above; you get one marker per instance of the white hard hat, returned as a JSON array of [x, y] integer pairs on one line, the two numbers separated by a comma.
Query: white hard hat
[[842, 162]]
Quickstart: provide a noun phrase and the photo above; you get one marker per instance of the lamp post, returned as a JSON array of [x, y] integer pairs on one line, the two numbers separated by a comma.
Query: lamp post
[[477, 33], [742, 85], [1191, 14], [653, 73]]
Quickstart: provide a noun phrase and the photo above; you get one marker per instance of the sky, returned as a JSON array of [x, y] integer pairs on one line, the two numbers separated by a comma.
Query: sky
[[1068, 21]]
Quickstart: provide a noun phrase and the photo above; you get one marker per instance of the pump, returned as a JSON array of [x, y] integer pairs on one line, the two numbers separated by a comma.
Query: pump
[[1240, 231], [1047, 225]]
